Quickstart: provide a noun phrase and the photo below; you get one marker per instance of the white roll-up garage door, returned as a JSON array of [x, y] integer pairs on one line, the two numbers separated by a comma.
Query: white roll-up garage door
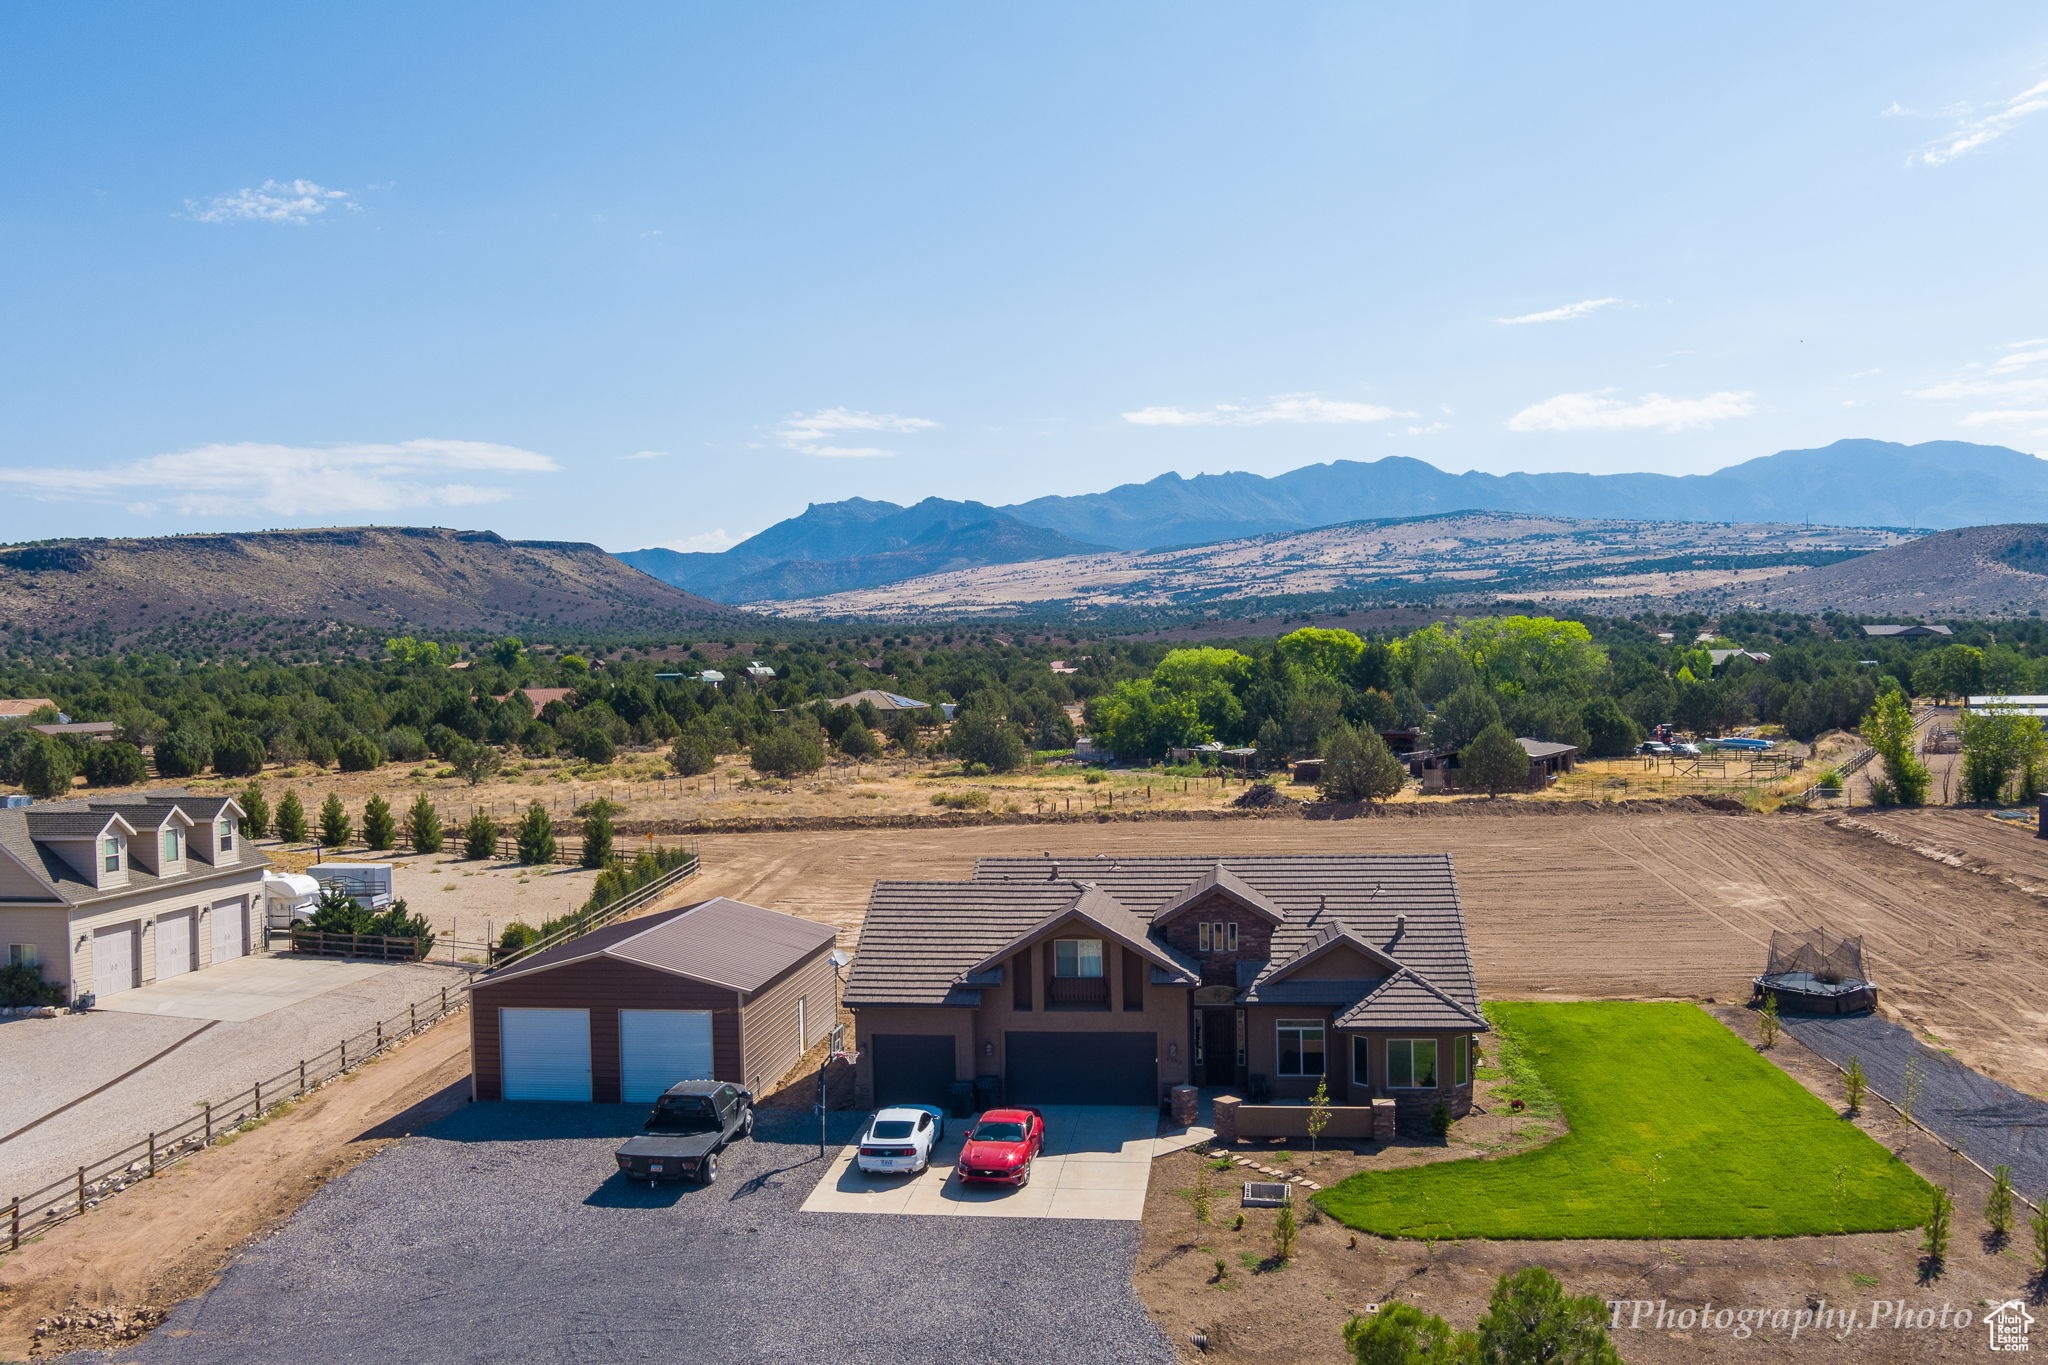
[[657, 1048], [174, 935], [546, 1054], [230, 930], [113, 959]]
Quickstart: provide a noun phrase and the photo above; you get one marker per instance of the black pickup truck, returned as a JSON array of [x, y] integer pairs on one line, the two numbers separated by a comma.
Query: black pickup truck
[[690, 1125]]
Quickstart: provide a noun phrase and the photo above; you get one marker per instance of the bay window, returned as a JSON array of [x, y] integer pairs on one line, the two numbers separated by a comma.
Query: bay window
[[1411, 1063], [1361, 1060]]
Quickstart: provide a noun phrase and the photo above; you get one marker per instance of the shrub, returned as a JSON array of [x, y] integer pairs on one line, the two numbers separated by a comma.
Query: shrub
[[1767, 1021], [23, 984], [1359, 767], [359, 754], [183, 753], [47, 768], [692, 755], [961, 800], [380, 827], [1854, 1083], [1494, 761], [1530, 1317], [786, 752], [474, 763], [1998, 1204], [115, 764], [1440, 1121], [597, 837], [404, 744], [1940, 1222], [535, 835], [595, 746], [480, 837], [857, 741], [517, 935], [335, 826], [291, 819], [2038, 1227], [239, 755], [1285, 1229], [423, 825], [319, 752], [1402, 1334]]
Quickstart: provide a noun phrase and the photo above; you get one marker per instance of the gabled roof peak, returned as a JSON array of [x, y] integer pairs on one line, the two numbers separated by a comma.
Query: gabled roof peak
[[1221, 880]]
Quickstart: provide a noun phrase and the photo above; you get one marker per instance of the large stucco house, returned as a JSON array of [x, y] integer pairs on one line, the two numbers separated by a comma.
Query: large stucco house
[[1095, 980], [107, 894]]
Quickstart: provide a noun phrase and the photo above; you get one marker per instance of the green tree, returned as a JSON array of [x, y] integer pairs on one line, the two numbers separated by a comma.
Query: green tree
[[183, 753], [1998, 745], [359, 754], [1610, 733], [1314, 649], [1402, 1334], [857, 741], [1530, 1318], [423, 825], [1495, 761], [474, 763], [1998, 1204], [597, 837], [1889, 730], [115, 764], [535, 835], [693, 754], [335, 826], [1461, 716], [988, 738], [595, 746], [1139, 722], [1934, 1238], [238, 754], [480, 837], [291, 819], [380, 827], [47, 768], [1359, 767], [786, 751], [255, 811]]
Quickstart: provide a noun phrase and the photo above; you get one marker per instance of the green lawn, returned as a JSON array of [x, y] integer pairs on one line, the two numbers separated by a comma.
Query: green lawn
[[1737, 1147]]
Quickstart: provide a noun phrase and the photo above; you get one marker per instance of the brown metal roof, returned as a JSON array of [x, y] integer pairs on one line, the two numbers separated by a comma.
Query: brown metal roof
[[719, 942]]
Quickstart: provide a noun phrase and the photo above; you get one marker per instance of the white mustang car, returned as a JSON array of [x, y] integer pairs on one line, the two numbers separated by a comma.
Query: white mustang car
[[900, 1139]]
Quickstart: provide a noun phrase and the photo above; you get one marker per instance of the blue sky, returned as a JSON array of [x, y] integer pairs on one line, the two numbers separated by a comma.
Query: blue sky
[[662, 274]]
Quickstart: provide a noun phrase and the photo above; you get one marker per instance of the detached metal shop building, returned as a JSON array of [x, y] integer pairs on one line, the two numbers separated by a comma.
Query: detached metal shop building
[[720, 990]]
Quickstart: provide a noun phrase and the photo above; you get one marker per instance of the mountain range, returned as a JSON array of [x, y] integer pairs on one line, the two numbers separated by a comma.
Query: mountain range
[[837, 547]]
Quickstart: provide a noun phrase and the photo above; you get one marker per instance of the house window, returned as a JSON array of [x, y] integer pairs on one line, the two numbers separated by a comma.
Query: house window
[[170, 845], [227, 836], [1077, 957], [1301, 1047], [1411, 1063], [1361, 1060], [110, 855], [1216, 936], [21, 955]]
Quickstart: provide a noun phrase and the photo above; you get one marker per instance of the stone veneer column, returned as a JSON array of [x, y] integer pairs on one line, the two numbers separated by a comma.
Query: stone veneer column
[[1226, 1117]]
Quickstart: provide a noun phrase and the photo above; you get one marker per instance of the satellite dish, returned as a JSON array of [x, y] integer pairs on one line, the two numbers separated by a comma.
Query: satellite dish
[[837, 958]]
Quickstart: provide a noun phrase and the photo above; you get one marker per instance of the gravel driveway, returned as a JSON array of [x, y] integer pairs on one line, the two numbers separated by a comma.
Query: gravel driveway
[[503, 1234], [46, 1062]]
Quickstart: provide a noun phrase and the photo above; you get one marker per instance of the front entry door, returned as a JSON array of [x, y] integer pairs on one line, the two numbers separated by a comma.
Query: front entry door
[[1219, 1046]]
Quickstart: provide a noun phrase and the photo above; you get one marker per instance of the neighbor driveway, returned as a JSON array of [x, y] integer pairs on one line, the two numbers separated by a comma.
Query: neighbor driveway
[[1096, 1163], [246, 988], [505, 1234]]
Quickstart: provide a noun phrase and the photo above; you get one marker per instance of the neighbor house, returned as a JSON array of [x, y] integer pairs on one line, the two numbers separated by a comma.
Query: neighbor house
[[887, 703], [1895, 631], [1102, 980], [104, 895], [539, 697], [21, 708]]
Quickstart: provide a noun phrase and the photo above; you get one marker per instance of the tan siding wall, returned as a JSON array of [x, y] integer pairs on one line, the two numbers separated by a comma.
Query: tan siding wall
[[18, 883], [48, 930], [769, 1045], [604, 986], [146, 904]]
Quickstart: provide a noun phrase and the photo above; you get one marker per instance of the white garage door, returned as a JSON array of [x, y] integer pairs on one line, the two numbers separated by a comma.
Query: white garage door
[[230, 931], [174, 943], [657, 1048], [113, 960], [546, 1054]]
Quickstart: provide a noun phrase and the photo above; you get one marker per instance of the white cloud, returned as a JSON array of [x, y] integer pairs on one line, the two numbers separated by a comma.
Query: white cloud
[[1564, 314], [1985, 388], [704, 542], [1978, 129], [1429, 430], [813, 434], [1651, 412], [274, 201], [2018, 360], [1291, 408], [290, 481], [646, 455], [2029, 421]]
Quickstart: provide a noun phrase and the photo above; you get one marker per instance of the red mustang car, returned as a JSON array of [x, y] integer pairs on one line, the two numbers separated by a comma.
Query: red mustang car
[[1001, 1147]]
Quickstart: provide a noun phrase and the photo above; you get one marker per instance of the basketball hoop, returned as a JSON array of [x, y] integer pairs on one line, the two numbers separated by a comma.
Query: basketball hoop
[[849, 1057]]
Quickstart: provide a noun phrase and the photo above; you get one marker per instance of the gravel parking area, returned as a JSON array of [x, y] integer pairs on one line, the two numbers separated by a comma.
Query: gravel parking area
[[46, 1062], [468, 899], [505, 1234]]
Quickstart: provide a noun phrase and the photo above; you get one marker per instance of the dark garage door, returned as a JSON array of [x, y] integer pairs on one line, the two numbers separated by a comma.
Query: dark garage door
[[912, 1068], [1081, 1068]]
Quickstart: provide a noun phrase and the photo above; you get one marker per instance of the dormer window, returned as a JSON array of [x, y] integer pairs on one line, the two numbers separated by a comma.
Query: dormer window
[[1077, 958], [1216, 936], [171, 845], [110, 854], [227, 836]]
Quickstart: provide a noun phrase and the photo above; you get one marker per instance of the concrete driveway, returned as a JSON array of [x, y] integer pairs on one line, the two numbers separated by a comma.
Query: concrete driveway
[[504, 1233], [1096, 1163], [246, 988]]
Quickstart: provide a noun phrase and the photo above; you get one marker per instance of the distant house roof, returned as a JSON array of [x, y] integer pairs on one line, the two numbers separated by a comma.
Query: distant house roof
[[1897, 631], [1543, 748], [711, 675], [1721, 656], [885, 702], [757, 669], [1062, 666], [103, 728], [720, 942], [13, 708], [539, 697]]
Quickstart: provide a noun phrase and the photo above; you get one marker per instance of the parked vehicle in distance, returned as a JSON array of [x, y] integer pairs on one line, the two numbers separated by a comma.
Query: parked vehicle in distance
[[1001, 1147], [1690, 750], [1651, 746], [901, 1138], [1740, 742], [289, 898], [691, 1124], [368, 883]]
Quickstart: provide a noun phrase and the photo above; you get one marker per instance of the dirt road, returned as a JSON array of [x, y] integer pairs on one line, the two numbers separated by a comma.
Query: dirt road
[[1610, 906]]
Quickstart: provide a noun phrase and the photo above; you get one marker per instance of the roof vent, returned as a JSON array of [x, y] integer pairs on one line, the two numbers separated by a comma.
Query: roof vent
[[1401, 922]]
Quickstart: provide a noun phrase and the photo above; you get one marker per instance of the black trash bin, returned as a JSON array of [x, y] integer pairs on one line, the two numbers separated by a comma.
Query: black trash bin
[[961, 1096], [988, 1092]]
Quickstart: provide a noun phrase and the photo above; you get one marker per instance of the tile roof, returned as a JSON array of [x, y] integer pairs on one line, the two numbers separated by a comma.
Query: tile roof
[[1221, 878], [1091, 905], [1406, 1000], [720, 942]]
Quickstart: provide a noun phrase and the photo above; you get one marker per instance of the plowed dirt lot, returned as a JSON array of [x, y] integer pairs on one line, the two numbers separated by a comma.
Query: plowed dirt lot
[[1570, 905]]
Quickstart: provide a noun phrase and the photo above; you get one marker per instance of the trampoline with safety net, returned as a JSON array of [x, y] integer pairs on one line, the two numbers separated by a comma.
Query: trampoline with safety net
[[1815, 972]]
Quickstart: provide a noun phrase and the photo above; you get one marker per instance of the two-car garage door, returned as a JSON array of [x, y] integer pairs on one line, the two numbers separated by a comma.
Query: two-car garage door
[[1081, 1068], [546, 1052]]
